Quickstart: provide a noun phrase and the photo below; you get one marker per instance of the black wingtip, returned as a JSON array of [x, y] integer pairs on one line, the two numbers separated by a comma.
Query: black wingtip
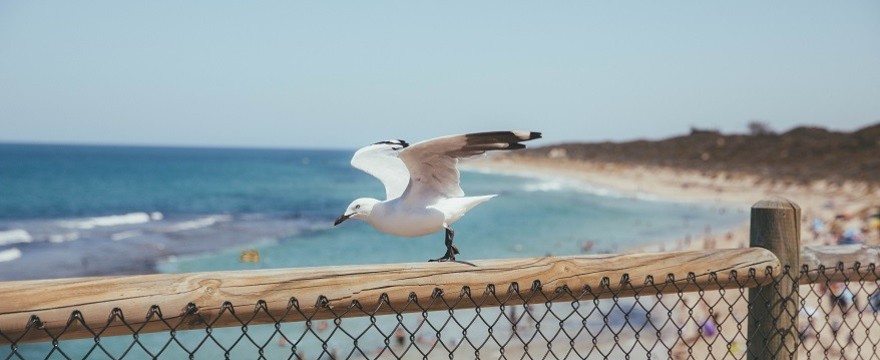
[[478, 143], [397, 142]]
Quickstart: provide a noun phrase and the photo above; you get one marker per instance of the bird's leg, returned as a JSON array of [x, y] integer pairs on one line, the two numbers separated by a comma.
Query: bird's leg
[[449, 235], [451, 250]]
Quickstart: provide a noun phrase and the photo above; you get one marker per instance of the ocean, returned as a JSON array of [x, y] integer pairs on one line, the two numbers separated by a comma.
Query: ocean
[[69, 211]]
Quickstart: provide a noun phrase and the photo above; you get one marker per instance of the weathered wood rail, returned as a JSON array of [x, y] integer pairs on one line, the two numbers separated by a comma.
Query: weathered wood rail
[[830, 256], [53, 301]]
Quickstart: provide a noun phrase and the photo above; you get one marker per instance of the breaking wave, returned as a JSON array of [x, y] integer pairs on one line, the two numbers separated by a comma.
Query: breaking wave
[[198, 223], [550, 185], [112, 220], [125, 235], [15, 236], [60, 238], [9, 254]]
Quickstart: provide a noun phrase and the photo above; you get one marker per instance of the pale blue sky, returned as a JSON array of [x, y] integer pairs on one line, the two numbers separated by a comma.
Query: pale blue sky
[[342, 74]]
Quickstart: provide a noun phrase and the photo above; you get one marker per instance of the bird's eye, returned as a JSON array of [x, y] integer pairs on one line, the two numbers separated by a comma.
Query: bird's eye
[[357, 207]]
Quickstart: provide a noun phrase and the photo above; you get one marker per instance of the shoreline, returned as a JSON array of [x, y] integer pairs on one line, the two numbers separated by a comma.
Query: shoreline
[[818, 201]]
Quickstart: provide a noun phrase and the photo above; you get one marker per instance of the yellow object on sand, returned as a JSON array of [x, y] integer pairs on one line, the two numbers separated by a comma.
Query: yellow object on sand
[[250, 256]]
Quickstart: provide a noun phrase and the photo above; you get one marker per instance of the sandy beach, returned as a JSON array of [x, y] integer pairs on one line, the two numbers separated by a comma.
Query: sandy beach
[[838, 208]]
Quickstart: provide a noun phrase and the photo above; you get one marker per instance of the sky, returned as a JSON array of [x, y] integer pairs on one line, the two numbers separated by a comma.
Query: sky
[[335, 74]]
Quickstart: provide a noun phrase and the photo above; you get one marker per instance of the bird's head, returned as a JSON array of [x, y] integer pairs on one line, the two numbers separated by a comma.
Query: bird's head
[[359, 209]]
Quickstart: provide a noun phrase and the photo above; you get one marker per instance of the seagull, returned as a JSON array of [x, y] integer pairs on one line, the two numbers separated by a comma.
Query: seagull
[[423, 194]]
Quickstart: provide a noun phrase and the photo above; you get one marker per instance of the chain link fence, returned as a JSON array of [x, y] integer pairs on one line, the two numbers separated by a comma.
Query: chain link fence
[[658, 319]]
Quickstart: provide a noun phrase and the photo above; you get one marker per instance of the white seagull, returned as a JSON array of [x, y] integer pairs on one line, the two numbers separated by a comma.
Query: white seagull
[[422, 189]]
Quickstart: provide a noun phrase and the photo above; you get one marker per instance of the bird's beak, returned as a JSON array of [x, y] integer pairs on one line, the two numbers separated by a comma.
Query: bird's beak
[[342, 218]]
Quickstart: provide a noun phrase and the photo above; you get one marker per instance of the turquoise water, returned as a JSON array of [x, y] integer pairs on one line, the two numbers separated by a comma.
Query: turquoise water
[[97, 210], [90, 210]]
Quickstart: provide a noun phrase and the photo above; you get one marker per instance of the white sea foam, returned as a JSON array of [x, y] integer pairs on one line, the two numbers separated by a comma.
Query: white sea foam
[[125, 235], [554, 184], [550, 183], [198, 223], [15, 236], [60, 238], [112, 220], [9, 254], [543, 186]]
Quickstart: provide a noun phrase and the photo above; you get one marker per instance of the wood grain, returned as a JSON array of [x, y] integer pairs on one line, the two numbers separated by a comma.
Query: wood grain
[[775, 226], [830, 256], [839, 262], [327, 292]]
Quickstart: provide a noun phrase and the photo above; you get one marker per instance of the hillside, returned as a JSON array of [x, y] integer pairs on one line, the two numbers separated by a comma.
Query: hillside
[[803, 154]]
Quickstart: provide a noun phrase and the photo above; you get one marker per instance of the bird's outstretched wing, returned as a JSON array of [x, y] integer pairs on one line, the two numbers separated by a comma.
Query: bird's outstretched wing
[[382, 162], [432, 163]]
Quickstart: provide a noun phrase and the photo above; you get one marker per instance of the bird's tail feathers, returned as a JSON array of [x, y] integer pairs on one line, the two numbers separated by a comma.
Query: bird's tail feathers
[[455, 208]]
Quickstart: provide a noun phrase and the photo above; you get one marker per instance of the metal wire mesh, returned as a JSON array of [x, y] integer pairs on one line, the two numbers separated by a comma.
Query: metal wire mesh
[[838, 318]]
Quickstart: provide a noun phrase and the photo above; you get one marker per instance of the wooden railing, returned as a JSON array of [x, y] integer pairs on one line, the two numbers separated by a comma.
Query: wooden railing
[[327, 292], [324, 291]]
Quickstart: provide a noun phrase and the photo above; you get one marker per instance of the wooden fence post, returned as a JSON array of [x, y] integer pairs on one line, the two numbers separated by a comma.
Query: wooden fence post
[[773, 308]]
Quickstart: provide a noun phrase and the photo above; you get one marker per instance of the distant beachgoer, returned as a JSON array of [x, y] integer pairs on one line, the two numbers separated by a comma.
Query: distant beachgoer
[[836, 228], [841, 296], [817, 228], [527, 313], [836, 325], [806, 326], [828, 204], [587, 246], [400, 337], [453, 342], [514, 318], [734, 348], [322, 325], [874, 301], [851, 237], [710, 326]]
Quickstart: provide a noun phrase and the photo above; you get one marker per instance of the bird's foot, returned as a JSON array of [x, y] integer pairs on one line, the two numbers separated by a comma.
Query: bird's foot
[[451, 251], [448, 257]]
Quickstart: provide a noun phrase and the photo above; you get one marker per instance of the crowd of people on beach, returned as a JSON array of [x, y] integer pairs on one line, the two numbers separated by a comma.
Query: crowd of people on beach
[[847, 228]]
